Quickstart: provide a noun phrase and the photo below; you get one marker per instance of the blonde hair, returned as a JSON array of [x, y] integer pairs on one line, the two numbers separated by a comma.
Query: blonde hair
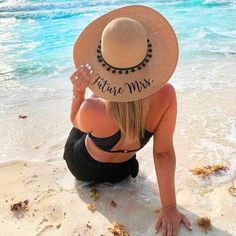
[[129, 116]]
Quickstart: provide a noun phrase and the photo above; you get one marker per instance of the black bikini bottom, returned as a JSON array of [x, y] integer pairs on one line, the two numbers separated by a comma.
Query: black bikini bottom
[[84, 167]]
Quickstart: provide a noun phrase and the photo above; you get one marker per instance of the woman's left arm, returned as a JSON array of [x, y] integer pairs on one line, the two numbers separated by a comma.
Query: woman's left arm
[[169, 217], [165, 164], [80, 80]]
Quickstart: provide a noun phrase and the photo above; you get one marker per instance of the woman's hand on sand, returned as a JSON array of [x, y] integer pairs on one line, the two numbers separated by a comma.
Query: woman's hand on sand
[[82, 77], [169, 219]]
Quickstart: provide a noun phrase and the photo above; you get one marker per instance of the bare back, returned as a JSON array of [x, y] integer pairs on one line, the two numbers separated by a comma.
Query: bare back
[[93, 118]]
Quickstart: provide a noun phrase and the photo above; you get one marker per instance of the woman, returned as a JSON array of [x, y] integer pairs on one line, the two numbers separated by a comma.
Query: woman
[[133, 52]]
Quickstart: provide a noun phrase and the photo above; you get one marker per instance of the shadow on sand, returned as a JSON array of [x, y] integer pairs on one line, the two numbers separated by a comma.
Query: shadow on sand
[[136, 201]]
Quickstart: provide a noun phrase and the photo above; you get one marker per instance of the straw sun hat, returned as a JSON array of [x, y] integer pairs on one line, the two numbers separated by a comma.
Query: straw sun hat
[[133, 51]]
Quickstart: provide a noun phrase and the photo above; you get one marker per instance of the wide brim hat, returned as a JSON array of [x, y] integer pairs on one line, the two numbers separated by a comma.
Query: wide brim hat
[[140, 80]]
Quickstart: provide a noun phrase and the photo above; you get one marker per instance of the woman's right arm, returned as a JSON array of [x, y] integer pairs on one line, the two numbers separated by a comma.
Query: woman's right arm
[[80, 80]]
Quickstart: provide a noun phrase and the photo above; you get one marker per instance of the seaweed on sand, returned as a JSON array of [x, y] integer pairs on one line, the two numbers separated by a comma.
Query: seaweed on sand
[[208, 170], [232, 189], [20, 206], [95, 194], [118, 229], [204, 223]]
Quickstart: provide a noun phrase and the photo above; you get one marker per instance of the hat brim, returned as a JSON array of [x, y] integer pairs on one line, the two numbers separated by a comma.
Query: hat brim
[[138, 84]]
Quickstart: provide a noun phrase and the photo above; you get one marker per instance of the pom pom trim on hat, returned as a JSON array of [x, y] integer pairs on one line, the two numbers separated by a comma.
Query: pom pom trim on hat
[[132, 69]]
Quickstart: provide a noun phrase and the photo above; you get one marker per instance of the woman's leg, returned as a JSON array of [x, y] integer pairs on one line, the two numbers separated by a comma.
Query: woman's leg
[[74, 136]]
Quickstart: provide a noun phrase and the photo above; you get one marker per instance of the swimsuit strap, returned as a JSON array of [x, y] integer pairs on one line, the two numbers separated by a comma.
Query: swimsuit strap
[[124, 151]]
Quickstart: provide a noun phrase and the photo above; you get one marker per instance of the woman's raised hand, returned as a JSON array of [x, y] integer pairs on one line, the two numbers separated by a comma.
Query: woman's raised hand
[[82, 77], [169, 220]]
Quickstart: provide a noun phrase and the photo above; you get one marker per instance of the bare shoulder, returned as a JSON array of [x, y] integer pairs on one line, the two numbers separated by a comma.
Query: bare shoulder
[[166, 92], [91, 107], [169, 95], [168, 89], [89, 111], [91, 104], [163, 97]]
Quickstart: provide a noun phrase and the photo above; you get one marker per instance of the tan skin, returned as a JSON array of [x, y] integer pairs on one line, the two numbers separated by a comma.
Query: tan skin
[[161, 120]]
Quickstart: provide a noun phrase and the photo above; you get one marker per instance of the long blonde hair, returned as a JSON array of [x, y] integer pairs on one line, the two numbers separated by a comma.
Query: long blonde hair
[[129, 116]]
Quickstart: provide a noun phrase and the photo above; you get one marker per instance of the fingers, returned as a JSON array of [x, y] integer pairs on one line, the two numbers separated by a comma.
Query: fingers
[[170, 224], [81, 77], [78, 72], [86, 78], [169, 229], [175, 228], [187, 223], [164, 228], [158, 225]]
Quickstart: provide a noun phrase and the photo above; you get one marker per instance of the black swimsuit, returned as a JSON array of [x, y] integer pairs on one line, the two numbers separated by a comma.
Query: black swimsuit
[[84, 167], [108, 143]]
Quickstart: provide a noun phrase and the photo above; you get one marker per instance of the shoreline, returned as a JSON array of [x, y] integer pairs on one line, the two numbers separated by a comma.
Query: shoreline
[[35, 91], [58, 202]]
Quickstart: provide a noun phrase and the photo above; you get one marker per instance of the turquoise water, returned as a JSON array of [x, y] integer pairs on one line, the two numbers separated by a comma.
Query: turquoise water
[[36, 44], [36, 37]]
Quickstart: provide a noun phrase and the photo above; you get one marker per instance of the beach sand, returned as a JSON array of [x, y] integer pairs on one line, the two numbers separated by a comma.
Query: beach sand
[[32, 168], [58, 202], [36, 44]]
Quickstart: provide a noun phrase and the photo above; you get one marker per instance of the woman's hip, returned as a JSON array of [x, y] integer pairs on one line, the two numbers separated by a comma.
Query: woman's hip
[[84, 167]]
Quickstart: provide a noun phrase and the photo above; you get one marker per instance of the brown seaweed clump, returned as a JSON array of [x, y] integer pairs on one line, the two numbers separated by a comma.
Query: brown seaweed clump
[[113, 204], [118, 229], [206, 171], [156, 210], [204, 223], [95, 194], [91, 207], [22, 116], [88, 225], [232, 190], [20, 206]]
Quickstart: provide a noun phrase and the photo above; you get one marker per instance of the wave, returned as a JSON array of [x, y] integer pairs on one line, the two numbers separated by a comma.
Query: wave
[[219, 52], [215, 3], [201, 3], [40, 7], [60, 5], [65, 9], [43, 15], [45, 10]]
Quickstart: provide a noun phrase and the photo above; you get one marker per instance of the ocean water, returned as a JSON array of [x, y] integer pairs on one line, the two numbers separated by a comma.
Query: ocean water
[[36, 43], [37, 36]]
